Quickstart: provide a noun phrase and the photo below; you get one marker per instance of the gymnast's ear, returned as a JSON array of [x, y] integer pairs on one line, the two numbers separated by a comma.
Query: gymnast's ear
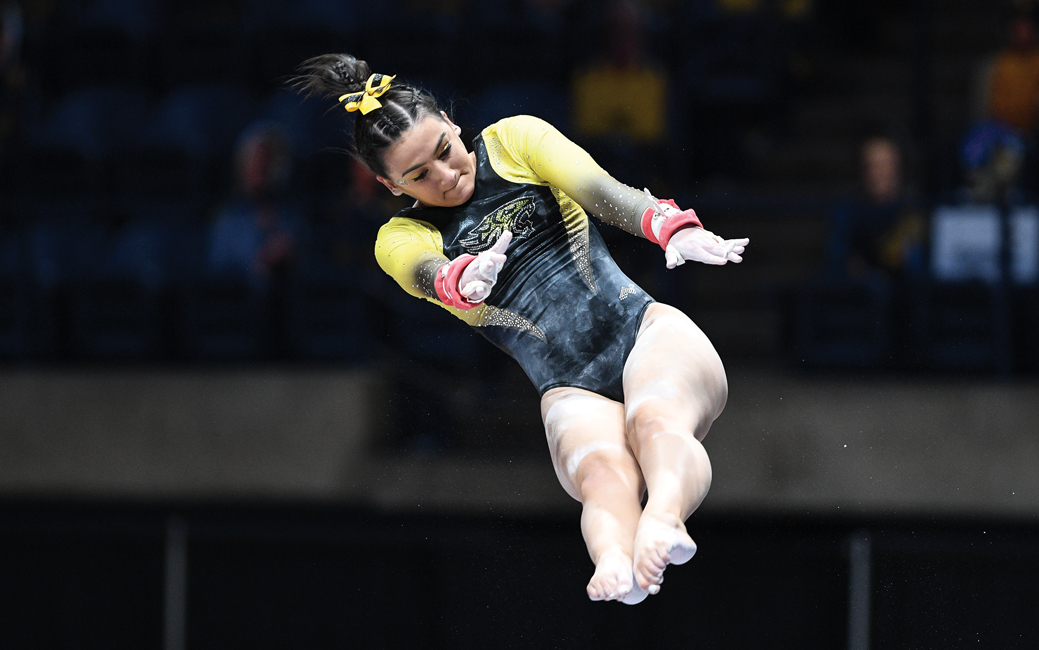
[[454, 127], [390, 185]]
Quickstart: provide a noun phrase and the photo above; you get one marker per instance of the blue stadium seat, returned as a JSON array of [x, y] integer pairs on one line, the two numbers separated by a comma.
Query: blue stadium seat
[[70, 151], [97, 123], [201, 121]]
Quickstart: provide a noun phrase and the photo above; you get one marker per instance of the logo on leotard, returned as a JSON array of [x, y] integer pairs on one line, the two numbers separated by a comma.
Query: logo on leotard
[[514, 215], [628, 291]]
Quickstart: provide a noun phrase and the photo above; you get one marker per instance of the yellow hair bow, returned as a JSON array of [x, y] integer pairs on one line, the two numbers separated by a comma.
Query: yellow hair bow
[[365, 101]]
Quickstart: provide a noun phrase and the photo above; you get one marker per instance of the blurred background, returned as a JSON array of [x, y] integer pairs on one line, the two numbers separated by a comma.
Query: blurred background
[[221, 426]]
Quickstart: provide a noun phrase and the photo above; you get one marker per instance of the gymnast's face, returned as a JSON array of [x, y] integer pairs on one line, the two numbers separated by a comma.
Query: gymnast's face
[[430, 164]]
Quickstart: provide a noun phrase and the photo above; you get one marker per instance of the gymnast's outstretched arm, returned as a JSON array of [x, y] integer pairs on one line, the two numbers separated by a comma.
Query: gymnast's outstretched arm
[[553, 159], [556, 160]]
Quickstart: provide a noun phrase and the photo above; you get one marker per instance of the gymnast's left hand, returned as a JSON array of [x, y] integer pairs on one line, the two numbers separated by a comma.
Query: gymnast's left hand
[[694, 244]]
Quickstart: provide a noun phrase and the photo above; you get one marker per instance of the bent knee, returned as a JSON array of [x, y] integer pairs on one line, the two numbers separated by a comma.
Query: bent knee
[[693, 414], [605, 471], [649, 420]]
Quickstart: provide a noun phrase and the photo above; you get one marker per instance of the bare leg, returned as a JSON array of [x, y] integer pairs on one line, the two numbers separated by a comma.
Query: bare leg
[[674, 387], [595, 465]]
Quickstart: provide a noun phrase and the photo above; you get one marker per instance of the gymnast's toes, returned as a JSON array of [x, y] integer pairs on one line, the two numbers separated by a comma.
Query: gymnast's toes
[[659, 542], [649, 571], [612, 579]]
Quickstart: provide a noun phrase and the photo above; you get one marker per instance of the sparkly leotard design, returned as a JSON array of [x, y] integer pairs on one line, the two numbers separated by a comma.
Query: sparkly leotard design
[[561, 306]]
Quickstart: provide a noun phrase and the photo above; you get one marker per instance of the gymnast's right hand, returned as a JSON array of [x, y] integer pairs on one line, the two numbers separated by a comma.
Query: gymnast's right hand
[[479, 276]]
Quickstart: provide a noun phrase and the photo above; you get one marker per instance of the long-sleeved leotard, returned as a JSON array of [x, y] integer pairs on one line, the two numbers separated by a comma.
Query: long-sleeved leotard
[[561, 307]]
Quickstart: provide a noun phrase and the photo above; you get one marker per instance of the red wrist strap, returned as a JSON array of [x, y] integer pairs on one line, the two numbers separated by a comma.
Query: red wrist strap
[[676, 223], [446, 282], [671, 225]]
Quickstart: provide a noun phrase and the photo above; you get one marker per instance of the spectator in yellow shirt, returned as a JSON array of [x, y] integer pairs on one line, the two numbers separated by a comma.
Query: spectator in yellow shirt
[[1013, 92]]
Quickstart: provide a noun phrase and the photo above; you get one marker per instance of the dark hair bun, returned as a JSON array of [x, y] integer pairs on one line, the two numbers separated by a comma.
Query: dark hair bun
[[335, 75], [331, 75]]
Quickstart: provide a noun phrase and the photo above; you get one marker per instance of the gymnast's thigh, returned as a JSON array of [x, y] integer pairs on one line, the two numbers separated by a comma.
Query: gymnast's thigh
[[673, 373], [580, 424]]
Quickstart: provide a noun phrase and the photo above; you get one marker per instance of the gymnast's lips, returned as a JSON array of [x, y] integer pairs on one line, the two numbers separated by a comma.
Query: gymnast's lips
[[455, 187]]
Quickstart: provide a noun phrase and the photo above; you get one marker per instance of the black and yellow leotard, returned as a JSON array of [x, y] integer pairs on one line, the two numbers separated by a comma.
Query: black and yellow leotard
[[561, 306]]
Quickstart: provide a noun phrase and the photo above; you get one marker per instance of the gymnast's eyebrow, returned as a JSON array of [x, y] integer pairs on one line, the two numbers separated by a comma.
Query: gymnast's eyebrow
[[435, 151]]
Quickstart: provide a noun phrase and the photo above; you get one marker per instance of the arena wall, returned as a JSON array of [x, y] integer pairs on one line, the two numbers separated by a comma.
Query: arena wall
[[785, 444]]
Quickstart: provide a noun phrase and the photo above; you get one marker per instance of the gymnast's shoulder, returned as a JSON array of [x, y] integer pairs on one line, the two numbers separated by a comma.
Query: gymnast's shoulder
[[514, 146]]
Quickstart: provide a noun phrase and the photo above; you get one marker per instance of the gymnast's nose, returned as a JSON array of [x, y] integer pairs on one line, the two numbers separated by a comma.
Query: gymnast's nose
[[451, 177]]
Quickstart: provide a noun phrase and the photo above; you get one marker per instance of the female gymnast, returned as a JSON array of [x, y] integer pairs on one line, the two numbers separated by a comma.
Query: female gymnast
[[500, 236]]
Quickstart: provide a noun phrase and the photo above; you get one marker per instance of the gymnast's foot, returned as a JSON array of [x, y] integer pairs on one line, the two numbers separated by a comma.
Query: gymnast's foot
[[659, 541], [613, 579]]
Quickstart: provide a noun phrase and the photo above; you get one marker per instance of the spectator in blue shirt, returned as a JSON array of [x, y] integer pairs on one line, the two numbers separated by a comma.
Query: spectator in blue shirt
[[257, 233], [881, 232]]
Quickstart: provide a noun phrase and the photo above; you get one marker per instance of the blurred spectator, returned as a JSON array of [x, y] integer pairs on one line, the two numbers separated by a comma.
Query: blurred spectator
[[1000, 144], [620, 101], [993, 155], [624, 94], [1013, 92], [11, 75], [857, 313], [257, 233], [353, 220], [881, 232]]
